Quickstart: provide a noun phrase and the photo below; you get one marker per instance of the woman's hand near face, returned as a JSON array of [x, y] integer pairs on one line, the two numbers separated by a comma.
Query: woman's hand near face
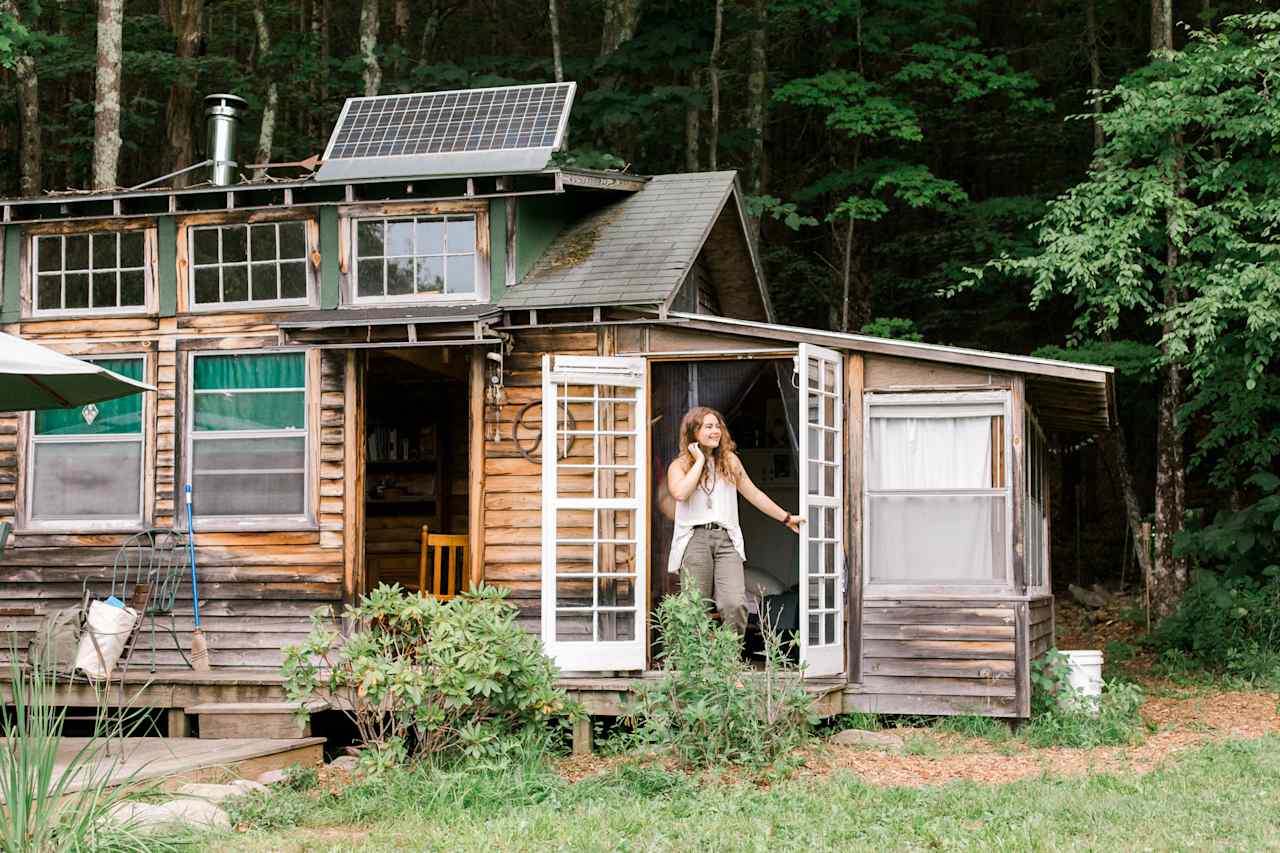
[[695, 450]]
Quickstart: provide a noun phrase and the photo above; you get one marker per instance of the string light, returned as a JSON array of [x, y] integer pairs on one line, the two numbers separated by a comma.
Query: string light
[[1072, 448]]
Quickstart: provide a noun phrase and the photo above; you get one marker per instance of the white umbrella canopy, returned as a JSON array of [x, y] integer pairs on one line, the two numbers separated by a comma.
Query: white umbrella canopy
[[33, 377]]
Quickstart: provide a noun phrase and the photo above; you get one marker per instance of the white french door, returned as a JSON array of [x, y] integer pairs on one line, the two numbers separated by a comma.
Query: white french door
[[822, 566], [594, 477]]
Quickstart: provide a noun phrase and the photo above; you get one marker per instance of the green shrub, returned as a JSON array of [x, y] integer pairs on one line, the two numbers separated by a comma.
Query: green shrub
[[1060, 716], [421, 677], [707, 707], [1229, 619]]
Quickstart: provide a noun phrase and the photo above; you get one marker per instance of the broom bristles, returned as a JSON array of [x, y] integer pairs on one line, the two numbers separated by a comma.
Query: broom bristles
[[199, 651]]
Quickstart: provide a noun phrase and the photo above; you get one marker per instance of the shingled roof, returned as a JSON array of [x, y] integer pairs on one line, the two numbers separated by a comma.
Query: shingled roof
[[636, 251]]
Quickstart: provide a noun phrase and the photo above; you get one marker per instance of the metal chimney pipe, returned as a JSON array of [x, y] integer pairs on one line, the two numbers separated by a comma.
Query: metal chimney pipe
[[222, 119]]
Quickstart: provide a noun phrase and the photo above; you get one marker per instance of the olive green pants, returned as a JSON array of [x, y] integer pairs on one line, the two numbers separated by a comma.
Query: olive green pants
[[714, 565]]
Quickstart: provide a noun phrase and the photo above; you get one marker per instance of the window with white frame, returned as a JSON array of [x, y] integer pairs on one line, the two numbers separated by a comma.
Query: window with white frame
[[1035, 515], [248, 435], [249, 264], [415, 256], [937, 489], [90, 272], [87, 462]]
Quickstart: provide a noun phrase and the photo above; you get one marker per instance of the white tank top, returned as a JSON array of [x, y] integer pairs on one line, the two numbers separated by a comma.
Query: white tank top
[[719, 507]]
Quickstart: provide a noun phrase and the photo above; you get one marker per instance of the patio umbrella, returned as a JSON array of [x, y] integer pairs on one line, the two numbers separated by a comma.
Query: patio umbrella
[[33, 377]]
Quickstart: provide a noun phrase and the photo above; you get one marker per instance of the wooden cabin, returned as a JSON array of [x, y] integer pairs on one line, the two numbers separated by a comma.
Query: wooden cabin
[[505, 355]]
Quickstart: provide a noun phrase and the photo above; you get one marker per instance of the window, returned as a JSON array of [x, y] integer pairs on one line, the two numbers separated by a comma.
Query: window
[[1035, 512], [413, 257], [86, 462], [937, 489], [90, 272], [248, 434], [249, 265]]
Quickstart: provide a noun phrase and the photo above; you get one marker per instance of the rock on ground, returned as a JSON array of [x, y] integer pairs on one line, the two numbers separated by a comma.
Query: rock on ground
[[218, 793], [345, 762], [184, 811], [860, 737], [274, 777]]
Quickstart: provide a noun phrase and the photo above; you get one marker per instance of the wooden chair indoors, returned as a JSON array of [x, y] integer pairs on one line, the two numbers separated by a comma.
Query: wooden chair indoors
[[448, 557]]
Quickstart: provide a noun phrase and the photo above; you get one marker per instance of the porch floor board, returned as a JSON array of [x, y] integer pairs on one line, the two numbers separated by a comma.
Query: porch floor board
[[171, 761]]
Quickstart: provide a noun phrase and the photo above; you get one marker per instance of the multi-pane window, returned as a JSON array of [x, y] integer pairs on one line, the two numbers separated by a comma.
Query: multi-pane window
[[415, 256], [249, 435], [87, 462], [937, 489], [249, 264], [90, 272]]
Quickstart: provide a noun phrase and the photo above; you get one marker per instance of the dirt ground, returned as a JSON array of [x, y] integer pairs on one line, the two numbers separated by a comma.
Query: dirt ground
[[1182, 718]]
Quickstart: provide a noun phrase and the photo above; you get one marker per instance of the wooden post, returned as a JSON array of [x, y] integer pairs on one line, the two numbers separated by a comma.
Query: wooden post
[[582, 736], [179, 723], [853, 451], [1015, 480], [353, 476], [475, 474]]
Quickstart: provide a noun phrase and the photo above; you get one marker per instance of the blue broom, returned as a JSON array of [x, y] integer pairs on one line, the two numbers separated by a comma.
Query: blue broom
[[199, 646]]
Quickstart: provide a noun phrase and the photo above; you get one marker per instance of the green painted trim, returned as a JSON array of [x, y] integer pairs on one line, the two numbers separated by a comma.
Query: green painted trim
[[167, 258], [11, 291], [539, 220], [329, 243], [497, 248]]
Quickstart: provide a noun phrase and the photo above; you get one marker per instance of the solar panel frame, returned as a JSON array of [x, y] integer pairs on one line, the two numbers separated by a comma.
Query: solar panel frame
[[454, 122]]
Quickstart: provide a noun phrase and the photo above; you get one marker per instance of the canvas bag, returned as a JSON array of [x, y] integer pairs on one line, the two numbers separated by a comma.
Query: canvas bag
[[106, 630], [55, 645]]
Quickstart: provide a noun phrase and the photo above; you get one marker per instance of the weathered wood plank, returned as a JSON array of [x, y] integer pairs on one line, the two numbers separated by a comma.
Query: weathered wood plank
[[986, 668], [876, 615], [940, 649], [878, 631]]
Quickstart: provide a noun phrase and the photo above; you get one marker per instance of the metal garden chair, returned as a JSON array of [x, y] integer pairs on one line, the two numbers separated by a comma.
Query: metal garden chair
[[149, 569]]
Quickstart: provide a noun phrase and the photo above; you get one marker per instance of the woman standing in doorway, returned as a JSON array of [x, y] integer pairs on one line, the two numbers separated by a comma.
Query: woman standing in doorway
[[705, 480]]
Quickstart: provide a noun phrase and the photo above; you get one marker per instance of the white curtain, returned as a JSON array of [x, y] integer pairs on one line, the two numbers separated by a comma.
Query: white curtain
[[927, 538]]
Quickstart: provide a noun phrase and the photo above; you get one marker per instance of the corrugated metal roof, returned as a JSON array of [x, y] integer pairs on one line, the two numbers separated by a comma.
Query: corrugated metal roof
[[634, 251]]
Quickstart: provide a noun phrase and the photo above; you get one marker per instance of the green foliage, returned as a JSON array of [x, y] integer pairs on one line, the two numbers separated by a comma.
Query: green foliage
[[1116, 723], [421, 677], [759, 206], [1229, 619], [893, 327], [51, 801], [1061, 717], [707, 707], [1187, 172]]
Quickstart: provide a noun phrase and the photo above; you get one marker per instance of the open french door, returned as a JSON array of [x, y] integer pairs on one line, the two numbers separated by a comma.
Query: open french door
[[822, 565], [594, 477]]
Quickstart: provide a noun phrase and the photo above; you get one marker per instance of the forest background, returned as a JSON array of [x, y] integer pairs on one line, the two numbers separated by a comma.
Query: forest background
[[914, 171]]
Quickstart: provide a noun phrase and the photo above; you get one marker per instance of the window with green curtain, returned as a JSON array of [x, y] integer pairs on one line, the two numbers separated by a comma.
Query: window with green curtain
[[249, 435], [86, 462]]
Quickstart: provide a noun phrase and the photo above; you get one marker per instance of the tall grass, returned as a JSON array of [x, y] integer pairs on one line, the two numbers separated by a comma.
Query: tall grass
[[48, 806]]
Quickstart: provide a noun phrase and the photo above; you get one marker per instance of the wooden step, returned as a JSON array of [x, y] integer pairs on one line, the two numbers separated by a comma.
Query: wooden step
[[278, 720]]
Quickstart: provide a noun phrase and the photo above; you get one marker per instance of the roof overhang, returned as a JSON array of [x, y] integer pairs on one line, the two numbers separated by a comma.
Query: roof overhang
[[378, 328], [1067, 396]]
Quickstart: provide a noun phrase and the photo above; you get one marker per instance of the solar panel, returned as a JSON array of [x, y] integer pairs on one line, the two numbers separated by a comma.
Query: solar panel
[[505, 129]]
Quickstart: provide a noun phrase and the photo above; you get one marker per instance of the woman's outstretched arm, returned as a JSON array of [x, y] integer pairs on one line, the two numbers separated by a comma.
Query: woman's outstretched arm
[[761, 501]]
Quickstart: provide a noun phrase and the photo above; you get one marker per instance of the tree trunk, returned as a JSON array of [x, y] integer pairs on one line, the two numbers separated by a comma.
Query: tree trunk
[[693, 126], [713, 75], [402, 18], [1116, 453], [185, 16], [1161, 25], [620, 20], [756, 79], [266, 134], [24, 68], [106, 96], [846, 276], [1095, 68], [369, 23], [553, 18], [1168, 574]]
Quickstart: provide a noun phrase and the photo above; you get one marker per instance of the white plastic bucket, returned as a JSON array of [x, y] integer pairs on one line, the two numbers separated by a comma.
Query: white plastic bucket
[[1084, 674]]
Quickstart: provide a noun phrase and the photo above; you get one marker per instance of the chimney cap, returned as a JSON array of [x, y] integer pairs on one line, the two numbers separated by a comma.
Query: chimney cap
[[224, 101]]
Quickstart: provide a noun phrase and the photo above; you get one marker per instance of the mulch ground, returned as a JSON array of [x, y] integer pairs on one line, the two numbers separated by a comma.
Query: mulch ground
[[1182, 719]]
